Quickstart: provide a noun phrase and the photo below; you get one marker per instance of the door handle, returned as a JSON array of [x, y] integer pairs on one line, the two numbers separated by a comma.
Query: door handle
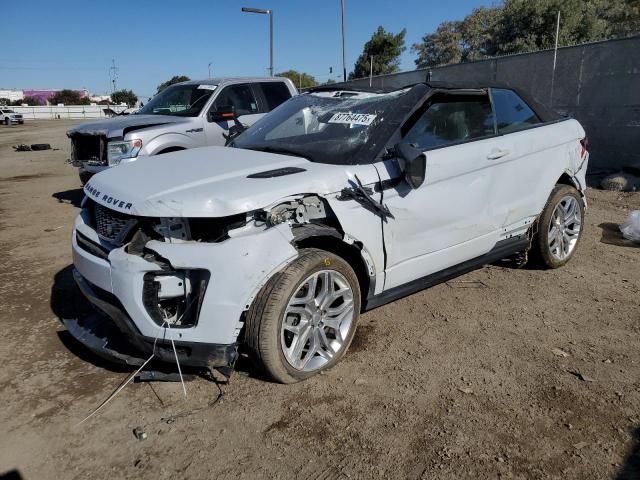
[[496, 153]]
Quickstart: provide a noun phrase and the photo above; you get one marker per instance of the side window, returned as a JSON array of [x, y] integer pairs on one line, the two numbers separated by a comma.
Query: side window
[[450, 120], [275, 93], [512, 112], [239, 96]]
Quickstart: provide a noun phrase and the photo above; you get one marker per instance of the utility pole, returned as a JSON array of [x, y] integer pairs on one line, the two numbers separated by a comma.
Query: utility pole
[[113, 75], [344, 61], [371, 72]]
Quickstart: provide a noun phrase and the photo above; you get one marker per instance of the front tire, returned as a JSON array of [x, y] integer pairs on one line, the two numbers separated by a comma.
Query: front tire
[[85, 177], [304, 319], [559, 227]]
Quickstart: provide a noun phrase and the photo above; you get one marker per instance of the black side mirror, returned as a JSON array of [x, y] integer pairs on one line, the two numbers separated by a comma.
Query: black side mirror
[[413, 163], [221, 114]]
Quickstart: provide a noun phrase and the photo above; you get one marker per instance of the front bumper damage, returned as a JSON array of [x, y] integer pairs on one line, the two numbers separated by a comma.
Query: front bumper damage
[[127, 330]]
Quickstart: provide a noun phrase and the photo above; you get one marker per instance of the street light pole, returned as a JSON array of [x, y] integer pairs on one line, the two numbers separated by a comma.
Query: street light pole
[[344, 62], [209, 67], [270, 13]]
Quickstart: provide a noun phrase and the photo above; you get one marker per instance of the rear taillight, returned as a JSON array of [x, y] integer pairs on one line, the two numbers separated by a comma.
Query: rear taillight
[[585, 146]]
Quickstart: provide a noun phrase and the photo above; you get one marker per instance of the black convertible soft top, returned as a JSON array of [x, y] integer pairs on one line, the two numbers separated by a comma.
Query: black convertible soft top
[[544, 113]]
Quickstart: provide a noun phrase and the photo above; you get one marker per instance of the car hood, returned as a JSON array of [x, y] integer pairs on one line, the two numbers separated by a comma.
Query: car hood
[[211, 182], [119, 126]]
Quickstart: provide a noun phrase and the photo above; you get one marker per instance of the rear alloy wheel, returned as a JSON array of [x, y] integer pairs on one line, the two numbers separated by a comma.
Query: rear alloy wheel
[[559, 227], [304, 318]]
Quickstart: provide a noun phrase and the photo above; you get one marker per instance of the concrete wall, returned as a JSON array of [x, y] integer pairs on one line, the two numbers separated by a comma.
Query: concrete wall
[[70, 111], [596, 83]]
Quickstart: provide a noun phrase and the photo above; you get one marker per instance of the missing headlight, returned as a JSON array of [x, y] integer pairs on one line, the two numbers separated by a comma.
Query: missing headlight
[[175, 297], [215, 229]]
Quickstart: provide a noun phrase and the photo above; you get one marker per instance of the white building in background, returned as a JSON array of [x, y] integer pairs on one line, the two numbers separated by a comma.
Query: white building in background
[[12, 95], [99, 98]]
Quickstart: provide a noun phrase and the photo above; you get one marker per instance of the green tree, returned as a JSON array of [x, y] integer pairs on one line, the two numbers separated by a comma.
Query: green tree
[[124, 96], [31, 101], [5, 101], [441, 47], [516, 26], [174, 79], [68, 97], [299, 79], [386, 48]]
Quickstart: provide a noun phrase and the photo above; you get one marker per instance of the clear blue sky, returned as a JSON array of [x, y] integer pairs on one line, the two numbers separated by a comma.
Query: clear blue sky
[[70, 43]]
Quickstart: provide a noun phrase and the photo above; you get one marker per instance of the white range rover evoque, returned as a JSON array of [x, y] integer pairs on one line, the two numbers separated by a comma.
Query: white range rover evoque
[[335, 203]]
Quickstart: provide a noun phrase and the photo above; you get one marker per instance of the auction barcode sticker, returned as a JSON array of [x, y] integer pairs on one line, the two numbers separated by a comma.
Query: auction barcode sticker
[[353, 118]]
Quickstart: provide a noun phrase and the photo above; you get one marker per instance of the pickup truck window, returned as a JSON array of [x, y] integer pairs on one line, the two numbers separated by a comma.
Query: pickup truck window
[[512, 112], [275, 93], [178, 100], [239, 96], [453, 120]]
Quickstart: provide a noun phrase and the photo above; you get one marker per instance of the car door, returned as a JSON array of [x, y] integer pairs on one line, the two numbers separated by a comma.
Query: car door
[[242, 97], [523, 179], [445, 221]]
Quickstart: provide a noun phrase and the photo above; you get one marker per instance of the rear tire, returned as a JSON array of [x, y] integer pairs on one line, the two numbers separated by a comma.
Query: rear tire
[[560, 228], [304, 319]]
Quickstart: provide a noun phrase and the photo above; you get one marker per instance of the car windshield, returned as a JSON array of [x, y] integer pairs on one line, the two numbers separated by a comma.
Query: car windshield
[[8, 111], [179, 100], [338, 127]]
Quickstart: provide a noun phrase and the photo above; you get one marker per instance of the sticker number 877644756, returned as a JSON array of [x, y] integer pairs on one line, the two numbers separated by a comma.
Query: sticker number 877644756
[[352, 118]]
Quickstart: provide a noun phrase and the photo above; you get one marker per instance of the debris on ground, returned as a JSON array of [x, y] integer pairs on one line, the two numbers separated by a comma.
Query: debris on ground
[[581, 376], [140, 433], [560, 353], [580, 445], [631, 227], [466, 390], [40, 146], [33, 147], [620, 182]]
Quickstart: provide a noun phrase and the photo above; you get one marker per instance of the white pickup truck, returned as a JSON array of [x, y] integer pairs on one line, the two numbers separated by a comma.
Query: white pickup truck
[[186, 115], [8, 116]]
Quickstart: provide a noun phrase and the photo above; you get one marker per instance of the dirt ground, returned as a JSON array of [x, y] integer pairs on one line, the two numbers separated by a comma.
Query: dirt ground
[[459, 381]]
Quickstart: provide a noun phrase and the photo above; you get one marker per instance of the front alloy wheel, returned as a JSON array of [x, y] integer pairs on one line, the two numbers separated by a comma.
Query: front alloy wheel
[[303, 320], [317, 320]]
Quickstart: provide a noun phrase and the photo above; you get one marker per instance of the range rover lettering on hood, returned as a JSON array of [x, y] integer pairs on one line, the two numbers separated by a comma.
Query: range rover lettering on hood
[[106, 199]]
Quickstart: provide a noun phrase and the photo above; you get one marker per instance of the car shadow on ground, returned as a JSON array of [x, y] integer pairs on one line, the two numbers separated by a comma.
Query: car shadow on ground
[[631, 467], [67, 302], [73, 197], [612, 235]]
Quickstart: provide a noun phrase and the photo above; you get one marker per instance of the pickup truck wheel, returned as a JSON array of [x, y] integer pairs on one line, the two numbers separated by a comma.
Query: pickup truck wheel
[[304, 318], [559, 227], [6, 121], [85, 177]]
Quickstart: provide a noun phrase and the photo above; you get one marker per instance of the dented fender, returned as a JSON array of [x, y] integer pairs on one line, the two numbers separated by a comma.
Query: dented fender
[[239, 268]]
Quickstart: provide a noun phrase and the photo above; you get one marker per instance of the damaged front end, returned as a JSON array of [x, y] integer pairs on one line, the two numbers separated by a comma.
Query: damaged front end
[[162, 280]]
